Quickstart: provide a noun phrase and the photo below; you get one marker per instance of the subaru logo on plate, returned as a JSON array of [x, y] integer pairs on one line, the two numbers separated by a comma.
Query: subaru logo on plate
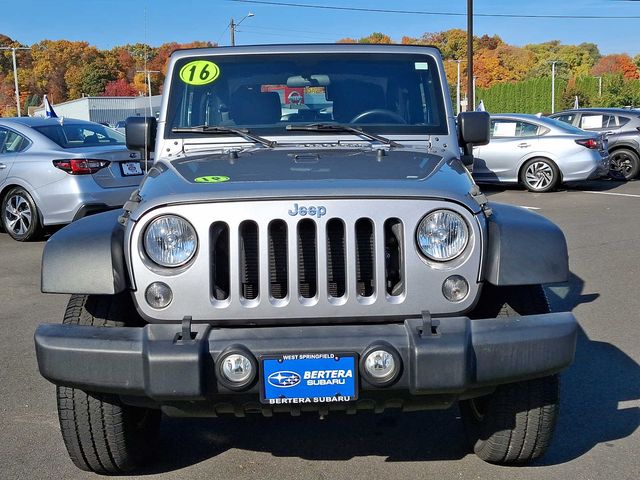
[[284, 379]]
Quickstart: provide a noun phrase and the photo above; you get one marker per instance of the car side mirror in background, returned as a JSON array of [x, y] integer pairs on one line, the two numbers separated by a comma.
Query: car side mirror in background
[[140, 133], [474, 128]]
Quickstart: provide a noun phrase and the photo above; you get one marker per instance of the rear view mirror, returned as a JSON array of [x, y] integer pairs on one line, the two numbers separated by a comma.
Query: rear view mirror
[[140, 133]]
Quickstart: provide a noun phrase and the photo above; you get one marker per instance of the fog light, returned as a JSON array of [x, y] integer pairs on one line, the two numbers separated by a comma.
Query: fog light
[[455, 288], [158, 295], [380, 364], [237, 368]]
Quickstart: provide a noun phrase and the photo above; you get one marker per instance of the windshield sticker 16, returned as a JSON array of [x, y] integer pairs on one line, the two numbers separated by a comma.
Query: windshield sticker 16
[[211, 179], [199, 72]]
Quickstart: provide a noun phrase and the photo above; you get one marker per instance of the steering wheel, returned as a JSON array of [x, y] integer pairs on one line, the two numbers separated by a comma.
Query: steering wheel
[[378, 111]]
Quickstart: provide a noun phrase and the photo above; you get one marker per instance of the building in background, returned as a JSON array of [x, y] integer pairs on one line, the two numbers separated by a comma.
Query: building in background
[[109, 110]]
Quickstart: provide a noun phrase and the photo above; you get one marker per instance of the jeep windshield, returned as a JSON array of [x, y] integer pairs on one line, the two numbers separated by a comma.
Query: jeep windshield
[[272, 94]]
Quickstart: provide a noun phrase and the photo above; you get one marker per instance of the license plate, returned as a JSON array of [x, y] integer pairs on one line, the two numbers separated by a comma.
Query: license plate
[[131, 168], [308, 378]]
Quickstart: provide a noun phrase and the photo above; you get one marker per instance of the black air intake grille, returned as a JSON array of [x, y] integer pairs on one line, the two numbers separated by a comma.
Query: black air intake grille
[[365, 262], [220, 260], [307, 259], [249, 269], [278, 276], [336, 268]]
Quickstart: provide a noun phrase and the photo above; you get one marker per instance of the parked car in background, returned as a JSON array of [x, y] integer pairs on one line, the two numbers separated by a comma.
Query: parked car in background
[[539, 153], [622, 127], [54, 171], [119, 126]]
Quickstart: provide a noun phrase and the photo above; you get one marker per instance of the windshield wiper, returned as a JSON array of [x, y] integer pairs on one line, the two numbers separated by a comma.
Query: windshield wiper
[[242, 132], [339, 127]]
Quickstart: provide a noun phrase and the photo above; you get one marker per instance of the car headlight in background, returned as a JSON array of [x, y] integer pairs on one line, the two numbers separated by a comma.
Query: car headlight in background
[[170, 241], [442, 235]]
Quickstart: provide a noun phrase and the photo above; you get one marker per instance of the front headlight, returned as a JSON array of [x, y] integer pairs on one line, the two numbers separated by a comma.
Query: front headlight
[[442, 235], [170, 241]]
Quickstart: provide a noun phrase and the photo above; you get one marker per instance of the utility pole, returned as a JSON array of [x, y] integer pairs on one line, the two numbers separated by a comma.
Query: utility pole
[[233, 26], [15, 72], [458, 88], [148, 74], [473, 106], [470, 91], [553, 86], [599, 86]]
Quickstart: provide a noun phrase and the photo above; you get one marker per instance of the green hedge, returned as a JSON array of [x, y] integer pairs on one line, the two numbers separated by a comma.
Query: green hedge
[[533, 96], [530, 96]]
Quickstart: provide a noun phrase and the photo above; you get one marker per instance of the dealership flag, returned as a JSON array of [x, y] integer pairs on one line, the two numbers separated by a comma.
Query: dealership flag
[[480, 107], [49, 112]]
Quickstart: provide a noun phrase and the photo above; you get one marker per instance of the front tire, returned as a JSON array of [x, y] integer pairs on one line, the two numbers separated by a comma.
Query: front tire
[[102, 434], [20, 216], [540, 175], [515, 423]]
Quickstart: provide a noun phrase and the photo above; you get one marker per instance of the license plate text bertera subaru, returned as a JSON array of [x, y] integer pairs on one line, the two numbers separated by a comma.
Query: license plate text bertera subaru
[[308, 378]]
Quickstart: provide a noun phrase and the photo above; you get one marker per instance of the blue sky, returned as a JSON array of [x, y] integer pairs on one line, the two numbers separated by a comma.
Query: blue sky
[[106, 23]]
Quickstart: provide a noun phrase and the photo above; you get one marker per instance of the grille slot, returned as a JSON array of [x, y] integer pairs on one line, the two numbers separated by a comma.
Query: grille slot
[[394, 256], [307, 259], [278, 272], [249, 269], [219, 234], [365, 261], [336, 268]]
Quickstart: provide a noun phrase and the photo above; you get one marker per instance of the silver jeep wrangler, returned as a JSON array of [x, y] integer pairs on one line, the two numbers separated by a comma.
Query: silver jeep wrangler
[[308, 238]]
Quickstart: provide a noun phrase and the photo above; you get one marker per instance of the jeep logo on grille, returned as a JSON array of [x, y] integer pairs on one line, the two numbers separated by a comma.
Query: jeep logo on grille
[[313, 211]]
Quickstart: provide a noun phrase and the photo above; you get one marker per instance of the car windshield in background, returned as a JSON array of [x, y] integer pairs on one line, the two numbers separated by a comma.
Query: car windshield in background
[[382, 93], [77, 135]]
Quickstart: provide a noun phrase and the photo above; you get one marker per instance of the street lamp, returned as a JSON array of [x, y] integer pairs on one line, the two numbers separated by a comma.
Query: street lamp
[[148, 74], [15, 72], [458, 88], [233, 26], [553, 84], [470, 92]]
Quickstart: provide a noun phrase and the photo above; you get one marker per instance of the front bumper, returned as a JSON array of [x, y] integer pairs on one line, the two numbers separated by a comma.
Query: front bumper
[[451, 360]]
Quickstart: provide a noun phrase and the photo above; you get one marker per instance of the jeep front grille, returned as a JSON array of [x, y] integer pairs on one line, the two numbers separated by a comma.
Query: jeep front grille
[[335, 271], [261, 261]]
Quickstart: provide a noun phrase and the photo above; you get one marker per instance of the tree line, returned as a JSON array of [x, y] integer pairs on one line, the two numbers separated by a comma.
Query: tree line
[[508, 77], [66, 70]]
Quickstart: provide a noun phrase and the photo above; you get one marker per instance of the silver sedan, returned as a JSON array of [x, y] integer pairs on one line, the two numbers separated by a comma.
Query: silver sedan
[[539, 153], [53, 171]]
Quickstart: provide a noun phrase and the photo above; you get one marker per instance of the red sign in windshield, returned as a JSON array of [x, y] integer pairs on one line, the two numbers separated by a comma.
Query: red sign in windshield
[[289, 95]]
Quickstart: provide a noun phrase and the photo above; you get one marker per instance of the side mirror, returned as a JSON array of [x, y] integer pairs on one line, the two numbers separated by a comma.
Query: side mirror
[[140, 133], [474, 128]]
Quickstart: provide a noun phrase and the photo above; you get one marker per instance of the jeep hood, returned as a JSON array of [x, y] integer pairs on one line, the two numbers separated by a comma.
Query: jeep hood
[[283, 173]]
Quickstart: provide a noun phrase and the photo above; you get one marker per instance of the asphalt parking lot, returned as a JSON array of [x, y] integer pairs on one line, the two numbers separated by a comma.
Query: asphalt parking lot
[[597, 435]]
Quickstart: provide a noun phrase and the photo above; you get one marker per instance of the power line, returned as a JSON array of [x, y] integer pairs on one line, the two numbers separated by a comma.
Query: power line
[[285, 32], [325, 33], [433, 13]]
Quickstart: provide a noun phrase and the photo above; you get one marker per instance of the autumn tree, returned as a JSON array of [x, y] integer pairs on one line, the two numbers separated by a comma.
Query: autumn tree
[[616, 64], [376, 37], [119, 88]]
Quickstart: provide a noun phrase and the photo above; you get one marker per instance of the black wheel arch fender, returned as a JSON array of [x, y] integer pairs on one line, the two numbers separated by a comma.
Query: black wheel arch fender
[[523, 248], [86, 257]]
